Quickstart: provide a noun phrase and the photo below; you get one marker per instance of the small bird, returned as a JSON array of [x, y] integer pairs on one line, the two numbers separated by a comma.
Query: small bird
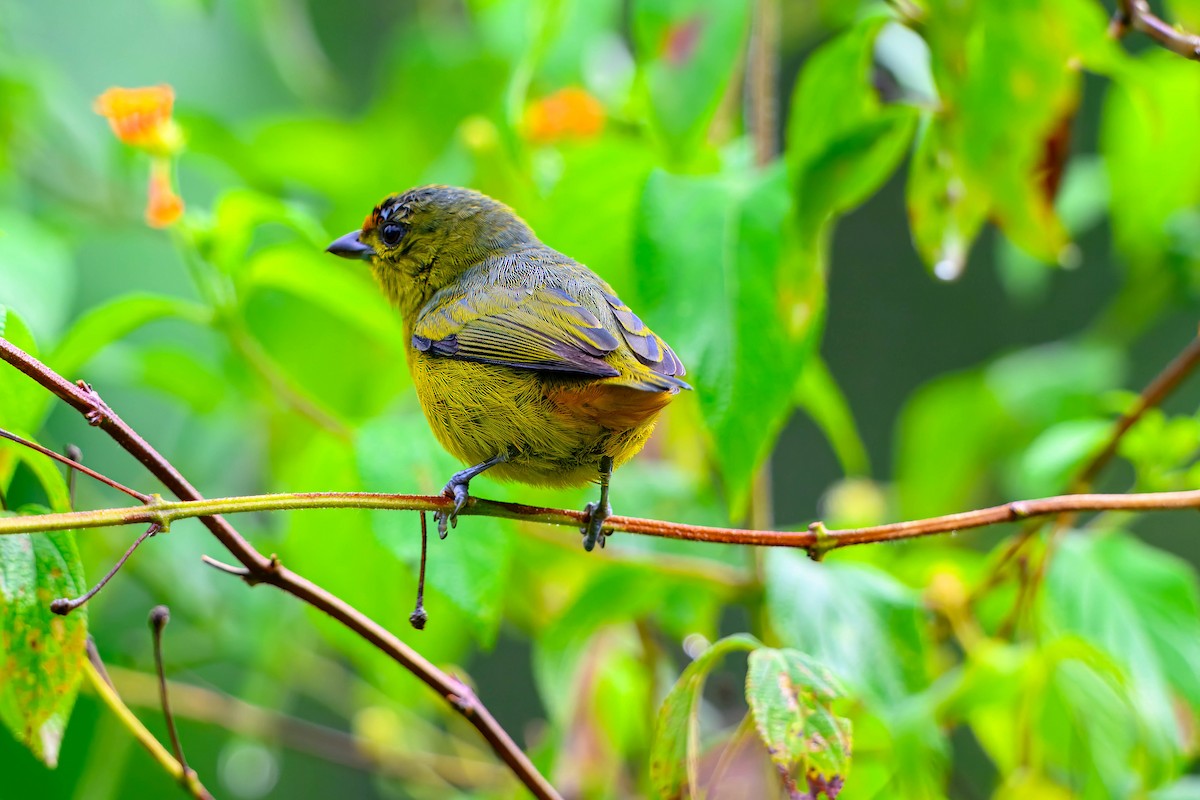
[[525, 361]]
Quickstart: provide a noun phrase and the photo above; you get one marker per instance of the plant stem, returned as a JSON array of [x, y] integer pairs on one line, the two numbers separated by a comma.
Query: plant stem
[[185, 777], [815, 538], [261, 569]]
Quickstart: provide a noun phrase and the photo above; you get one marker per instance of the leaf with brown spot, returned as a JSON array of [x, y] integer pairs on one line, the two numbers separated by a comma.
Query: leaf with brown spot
[[41, 654], [791, 697]]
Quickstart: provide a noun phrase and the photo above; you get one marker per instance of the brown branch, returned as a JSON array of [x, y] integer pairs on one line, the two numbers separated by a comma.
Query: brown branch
[[73, 464], [268, 570], [762, 81], [1136, 14], [816, 539], [1155, 392]]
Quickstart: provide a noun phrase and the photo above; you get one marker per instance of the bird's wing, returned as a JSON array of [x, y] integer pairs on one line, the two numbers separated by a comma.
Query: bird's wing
[[547, 328]]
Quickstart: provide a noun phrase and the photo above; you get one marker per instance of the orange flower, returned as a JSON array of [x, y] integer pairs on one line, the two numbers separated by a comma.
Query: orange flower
[[569, 113], [163, 206], [142, 117]]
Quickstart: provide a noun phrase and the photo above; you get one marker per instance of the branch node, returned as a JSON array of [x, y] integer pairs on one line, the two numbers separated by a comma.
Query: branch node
[[1018, 509], [822, 541], [99, 412]]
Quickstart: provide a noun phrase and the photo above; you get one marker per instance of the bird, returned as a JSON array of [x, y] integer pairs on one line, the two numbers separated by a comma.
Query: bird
[[526, 363]]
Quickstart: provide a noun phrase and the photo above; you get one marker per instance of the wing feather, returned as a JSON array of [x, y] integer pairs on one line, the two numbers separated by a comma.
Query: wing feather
[[574, 328]]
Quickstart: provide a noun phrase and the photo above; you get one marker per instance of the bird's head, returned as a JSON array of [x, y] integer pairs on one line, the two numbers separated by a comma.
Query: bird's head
[[424, 239]]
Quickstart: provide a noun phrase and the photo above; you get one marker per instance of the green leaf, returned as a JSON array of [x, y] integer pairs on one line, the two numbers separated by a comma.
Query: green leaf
[[177, 372], [1051, 460], [1144, 128], [328, 284], [687, 50], [1064, 705], [116, 319], [948, 436], [1055, 382], [1005, 77], [1162, 450], [1184, 13], [22, 402], [1137, 603], [41, 653], [398, 453], [818, 393], [843, 142], [738, 297], [620, 593], [868, 628], [242, 214], [1186, 788], [791, 697], [606, 177], [1091, 724], [944, 217], [674, 754], [36, 274]]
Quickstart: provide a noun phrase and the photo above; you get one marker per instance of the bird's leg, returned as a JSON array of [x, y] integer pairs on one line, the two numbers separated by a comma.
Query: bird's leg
[[457, 487], [596, 513]]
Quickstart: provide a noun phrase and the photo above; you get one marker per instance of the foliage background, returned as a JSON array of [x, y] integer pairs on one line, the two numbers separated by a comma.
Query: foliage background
[[273, 367]]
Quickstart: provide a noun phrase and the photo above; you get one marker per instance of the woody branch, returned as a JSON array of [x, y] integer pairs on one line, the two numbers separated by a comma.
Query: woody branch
[[258, 568]]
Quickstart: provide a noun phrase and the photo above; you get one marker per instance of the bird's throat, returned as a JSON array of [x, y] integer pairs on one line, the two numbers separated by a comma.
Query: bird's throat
[[407, 292]]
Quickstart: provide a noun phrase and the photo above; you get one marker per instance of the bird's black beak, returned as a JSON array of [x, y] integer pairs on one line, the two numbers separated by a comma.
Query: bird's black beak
[[349, 246]]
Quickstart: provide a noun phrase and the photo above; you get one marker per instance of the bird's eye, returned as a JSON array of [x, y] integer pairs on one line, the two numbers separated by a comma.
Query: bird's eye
[[391, 234]]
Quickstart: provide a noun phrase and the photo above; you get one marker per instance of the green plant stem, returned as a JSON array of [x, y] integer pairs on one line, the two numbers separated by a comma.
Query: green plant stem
[[103, 690]]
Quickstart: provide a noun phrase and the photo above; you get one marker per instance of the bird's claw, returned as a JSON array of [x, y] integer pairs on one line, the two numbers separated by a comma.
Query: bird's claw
[[594, 516], [449, 519]]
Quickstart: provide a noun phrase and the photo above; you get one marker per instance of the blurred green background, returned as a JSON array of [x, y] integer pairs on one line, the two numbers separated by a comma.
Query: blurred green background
[[980, 239]]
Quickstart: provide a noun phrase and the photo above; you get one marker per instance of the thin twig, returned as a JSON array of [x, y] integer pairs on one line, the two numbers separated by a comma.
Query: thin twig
[[159, 617], [1169, 379], [100, 685], [75, 465], [94, 657], [762, 79], [64, 605], [266, 570], [76, 455], [1136, 14], [761, 104], [228, 569], [419, 617], [1155, 392]]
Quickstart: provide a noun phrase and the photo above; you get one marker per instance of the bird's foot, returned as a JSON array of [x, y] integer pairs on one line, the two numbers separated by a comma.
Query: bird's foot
[[458, 490], [594, 516]]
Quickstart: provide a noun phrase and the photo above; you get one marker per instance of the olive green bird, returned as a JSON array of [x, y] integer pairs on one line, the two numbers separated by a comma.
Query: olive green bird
[[525, 361]]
